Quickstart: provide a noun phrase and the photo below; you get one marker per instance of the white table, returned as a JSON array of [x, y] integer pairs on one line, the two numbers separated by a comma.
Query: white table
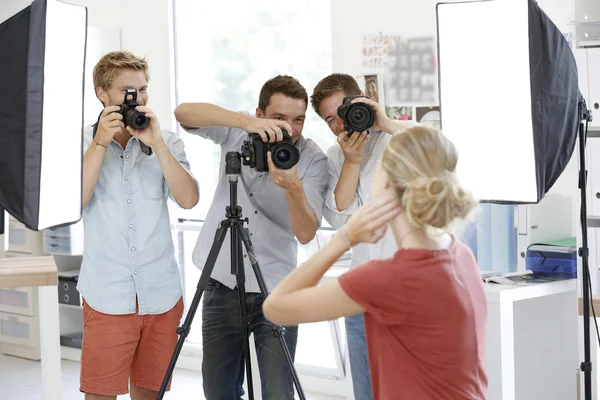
[[532, 341]]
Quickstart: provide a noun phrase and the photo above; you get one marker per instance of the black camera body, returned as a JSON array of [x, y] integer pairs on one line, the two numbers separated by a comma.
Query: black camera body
[[131, 116], [284, 154], [358, 117]]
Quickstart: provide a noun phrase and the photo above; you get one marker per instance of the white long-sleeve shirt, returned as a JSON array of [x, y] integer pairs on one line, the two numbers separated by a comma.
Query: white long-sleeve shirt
[[373, 151]]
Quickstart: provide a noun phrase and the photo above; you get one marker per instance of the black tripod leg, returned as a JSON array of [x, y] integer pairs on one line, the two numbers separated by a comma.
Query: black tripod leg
[[237, 264], [278, 330], [184, 330]]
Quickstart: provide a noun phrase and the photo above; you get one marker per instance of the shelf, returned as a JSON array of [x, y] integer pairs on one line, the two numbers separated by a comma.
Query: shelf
[[70, 306]]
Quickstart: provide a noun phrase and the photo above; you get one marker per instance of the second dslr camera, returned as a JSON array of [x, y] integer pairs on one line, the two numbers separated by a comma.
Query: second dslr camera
[[358, 117], [284, 154]]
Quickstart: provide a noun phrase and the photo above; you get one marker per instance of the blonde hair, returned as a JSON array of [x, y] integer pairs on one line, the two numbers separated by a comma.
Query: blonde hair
[[420, 163], [109, 66]]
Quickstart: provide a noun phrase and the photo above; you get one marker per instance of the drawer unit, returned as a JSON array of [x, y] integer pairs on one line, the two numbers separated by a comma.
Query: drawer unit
[[18, 301], [17, 236], [23, 240], [19, 329], [67, 240]]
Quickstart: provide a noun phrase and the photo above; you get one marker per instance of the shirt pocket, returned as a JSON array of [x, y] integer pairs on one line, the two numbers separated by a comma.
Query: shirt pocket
[[151, 179]]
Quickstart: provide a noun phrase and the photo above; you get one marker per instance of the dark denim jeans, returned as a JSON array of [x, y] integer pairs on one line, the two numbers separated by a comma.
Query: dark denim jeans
[[223, 364], [359, 363]]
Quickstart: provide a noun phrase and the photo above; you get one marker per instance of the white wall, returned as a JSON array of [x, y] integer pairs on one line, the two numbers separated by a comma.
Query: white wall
[[146, 29], [418, 18], [406, 17]]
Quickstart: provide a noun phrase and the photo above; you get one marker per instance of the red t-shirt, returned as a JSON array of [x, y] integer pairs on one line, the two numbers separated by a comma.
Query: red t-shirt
[[425, 322]]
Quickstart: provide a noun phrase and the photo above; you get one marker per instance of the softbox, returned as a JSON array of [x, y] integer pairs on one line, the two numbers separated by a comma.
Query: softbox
[[42, 53], [509, 97]]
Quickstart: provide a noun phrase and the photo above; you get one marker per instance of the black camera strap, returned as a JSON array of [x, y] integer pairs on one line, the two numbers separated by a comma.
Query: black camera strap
[[147, 150]]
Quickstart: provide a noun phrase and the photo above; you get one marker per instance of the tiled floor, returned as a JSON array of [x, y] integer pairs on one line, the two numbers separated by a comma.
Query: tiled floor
[[21, 380]]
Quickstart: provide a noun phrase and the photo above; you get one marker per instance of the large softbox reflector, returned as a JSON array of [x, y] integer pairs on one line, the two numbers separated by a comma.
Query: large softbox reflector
[[509, 97], [42, 57]]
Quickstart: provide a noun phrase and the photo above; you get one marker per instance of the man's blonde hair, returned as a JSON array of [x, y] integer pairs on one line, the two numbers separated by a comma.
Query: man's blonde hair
[[109, 66]]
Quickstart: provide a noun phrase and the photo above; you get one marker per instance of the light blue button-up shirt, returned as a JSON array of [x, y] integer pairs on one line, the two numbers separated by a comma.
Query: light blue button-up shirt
[[128, 247]]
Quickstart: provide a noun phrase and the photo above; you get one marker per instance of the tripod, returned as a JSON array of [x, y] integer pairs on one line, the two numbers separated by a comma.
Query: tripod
[[239, 234], [586, 365]]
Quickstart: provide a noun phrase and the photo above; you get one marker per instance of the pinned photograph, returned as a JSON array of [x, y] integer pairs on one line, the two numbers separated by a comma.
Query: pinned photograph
[[429, 116], [403, 113]]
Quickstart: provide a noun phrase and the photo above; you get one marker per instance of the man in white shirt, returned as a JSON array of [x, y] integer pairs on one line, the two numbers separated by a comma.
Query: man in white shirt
[[352, 162]]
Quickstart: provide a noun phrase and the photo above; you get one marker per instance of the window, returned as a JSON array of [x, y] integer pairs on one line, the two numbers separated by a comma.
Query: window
[[224, 53]]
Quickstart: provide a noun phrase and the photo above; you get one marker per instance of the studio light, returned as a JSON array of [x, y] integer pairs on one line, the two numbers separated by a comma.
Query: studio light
[[42, 57], [509, 97], [510, 101]]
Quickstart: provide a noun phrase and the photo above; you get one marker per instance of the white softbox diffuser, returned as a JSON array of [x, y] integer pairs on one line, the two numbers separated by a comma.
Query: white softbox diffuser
[[42, 49], [509, 97]]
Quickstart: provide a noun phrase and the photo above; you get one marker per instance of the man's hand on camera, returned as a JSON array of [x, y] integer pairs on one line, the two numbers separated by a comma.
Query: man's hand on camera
[[110, 123], [151, 136], [268, 129], [382, 121], [353, 146], [284, 178]]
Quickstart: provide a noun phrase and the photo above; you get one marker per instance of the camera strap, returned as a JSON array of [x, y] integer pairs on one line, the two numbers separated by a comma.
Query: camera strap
[[145, 148]]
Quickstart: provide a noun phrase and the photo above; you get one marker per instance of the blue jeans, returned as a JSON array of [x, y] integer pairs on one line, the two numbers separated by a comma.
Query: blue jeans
[[223, 364], [359, 363]]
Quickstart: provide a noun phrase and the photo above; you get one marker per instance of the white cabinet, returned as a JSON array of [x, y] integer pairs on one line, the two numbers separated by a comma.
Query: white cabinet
[[19, 323], [593, 76]]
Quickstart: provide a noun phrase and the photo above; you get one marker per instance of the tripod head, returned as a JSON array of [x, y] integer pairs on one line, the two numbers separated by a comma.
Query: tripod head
[[233, 165], [233, 169]]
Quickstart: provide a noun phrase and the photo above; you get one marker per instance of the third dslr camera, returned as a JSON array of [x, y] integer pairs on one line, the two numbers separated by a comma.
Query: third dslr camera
[[284, 154], [358, 117]]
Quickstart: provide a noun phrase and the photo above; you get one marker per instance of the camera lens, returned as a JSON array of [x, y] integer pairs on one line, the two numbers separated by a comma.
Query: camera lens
[[285, 155], [360, 117], [136, 119]]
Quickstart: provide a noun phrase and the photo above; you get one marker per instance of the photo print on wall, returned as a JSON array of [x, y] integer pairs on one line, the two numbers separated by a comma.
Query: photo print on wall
[[408, 67], [402, 113], [429, 116]]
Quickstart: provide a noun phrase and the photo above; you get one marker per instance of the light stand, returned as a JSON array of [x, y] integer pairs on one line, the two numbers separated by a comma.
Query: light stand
[[239, 234], [586, 365]]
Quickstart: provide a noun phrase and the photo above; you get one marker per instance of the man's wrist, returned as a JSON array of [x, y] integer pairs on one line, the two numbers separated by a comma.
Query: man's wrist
[[352, 164], [160, 147], [100, 145], [295, 187], [242, 121]]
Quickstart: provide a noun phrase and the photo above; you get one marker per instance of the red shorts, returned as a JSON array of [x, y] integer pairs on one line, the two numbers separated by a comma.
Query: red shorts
[[117, 348]]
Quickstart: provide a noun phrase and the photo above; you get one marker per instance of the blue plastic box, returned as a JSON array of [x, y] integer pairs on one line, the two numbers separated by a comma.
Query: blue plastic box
[[552, 263]]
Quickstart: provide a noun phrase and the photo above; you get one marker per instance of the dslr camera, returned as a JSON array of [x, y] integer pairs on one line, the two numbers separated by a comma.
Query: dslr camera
[[132, 117], [358, 117], [284, 154]]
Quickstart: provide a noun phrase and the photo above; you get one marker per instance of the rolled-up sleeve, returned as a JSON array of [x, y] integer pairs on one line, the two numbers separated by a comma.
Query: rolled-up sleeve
[[334, 216], [315, 184], [177, 147], [218, 134]]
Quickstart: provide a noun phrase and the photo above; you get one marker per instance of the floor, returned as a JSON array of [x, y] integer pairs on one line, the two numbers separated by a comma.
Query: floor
[[20, 379]]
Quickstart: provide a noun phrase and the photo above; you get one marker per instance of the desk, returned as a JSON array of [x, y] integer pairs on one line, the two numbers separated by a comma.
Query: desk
[[532, 341], [40, 272]]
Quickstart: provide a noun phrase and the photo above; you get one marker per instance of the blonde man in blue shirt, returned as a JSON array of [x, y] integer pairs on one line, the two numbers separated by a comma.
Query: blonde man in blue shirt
[[129, 278]]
